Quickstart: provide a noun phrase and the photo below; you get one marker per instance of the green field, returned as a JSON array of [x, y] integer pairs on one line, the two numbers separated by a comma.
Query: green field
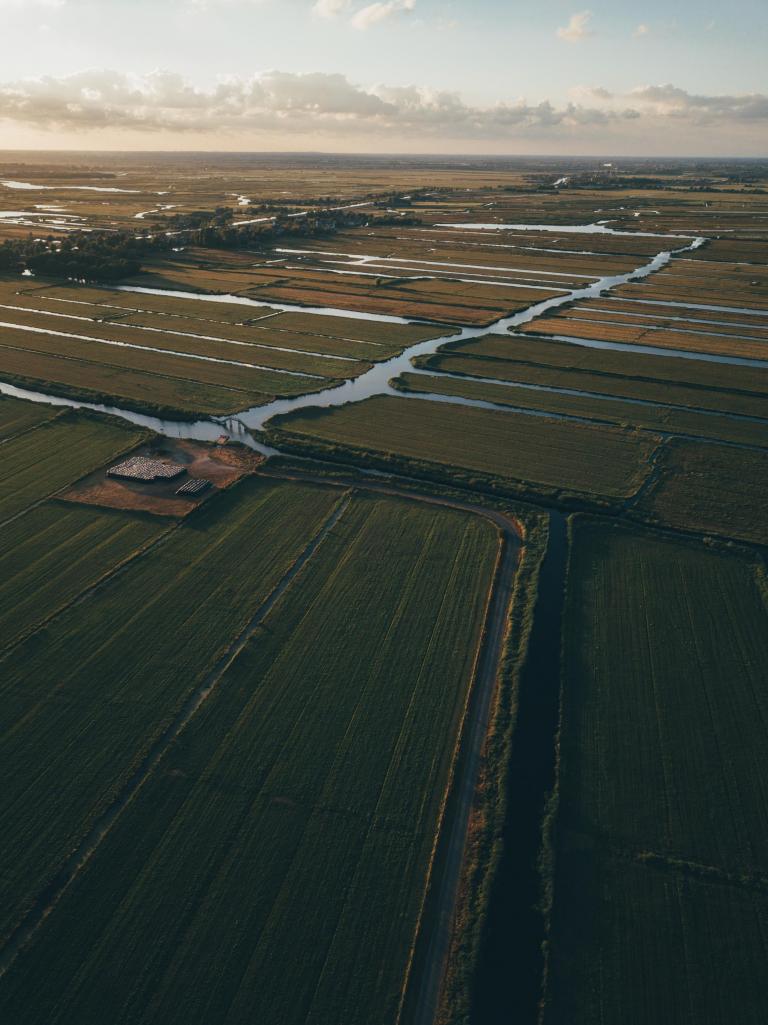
[[126, 659], [49, 556], [512, 448], [711, 489], [662, 837], [650, 378], [597, 410], [58, 452], [175, 335], [17, 416], [273, 867]]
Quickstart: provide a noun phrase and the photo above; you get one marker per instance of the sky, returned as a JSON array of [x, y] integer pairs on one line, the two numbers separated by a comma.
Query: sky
[[418, 76]]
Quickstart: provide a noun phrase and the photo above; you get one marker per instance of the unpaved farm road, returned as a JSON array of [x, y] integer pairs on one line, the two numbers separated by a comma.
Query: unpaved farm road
[[437, 926]]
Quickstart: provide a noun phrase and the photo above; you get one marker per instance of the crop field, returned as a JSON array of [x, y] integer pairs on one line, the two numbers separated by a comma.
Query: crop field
[[180, 340], [654, 381], [237, 791], [52, 554], [510, 447], [690, 337], [395, 294], [17, 416], [705, 282], [300, 805], [242, 323], [662, 835], [40, 462], [657, 419], [110, 696], [710, 489]]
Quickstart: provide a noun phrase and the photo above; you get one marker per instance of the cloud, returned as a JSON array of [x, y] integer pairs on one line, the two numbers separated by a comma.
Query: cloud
[[642, 30], [285, 104], [577, 28], [380, 11], [670, 101], [330, 8]]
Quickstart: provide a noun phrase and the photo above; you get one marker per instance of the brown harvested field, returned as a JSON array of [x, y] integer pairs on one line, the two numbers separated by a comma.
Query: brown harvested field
[[609, 410], [333, 336], [710, 489], [440, 301], [531, 242], [121, 301], [222, 465], [698, 281], [661, 338], [515, 449], [396, 336], [658, 312], [729, 250], [655, 322], [425, 253]]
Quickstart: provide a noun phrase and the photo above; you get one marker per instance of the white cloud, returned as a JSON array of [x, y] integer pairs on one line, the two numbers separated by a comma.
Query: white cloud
[[577, 28], [669, 101], [287, 104], [330, 8], [380, 11]]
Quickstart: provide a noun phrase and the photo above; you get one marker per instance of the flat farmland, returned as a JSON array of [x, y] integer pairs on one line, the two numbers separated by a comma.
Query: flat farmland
[[395, 294], [710, 489], [273, 866], [227, 347], [40, 462], [595, 409], [127, 659], [55, 552], [708, 283], [644, 946], [691, 339], [17, 416], [662, 833], [241, 322], [513, 448], [92, 382], [647, 378]]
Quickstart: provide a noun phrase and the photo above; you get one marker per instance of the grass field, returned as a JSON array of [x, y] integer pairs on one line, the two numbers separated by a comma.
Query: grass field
[[273, 868], [17, 416], [126, 659], [660, 895], [59, 451], [182, 335], [513, 448], [743, 346], [631, 366], [711, 489], [610, 383], [51, 555], [595, 409]]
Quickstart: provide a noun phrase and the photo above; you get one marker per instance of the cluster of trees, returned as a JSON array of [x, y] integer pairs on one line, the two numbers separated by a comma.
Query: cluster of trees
[[112, 255]]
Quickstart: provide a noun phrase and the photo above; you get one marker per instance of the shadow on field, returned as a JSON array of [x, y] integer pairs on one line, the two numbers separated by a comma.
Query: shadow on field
[[508, 983]]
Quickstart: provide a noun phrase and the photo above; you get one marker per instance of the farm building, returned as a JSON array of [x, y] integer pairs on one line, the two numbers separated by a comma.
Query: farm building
[[141, 468]]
